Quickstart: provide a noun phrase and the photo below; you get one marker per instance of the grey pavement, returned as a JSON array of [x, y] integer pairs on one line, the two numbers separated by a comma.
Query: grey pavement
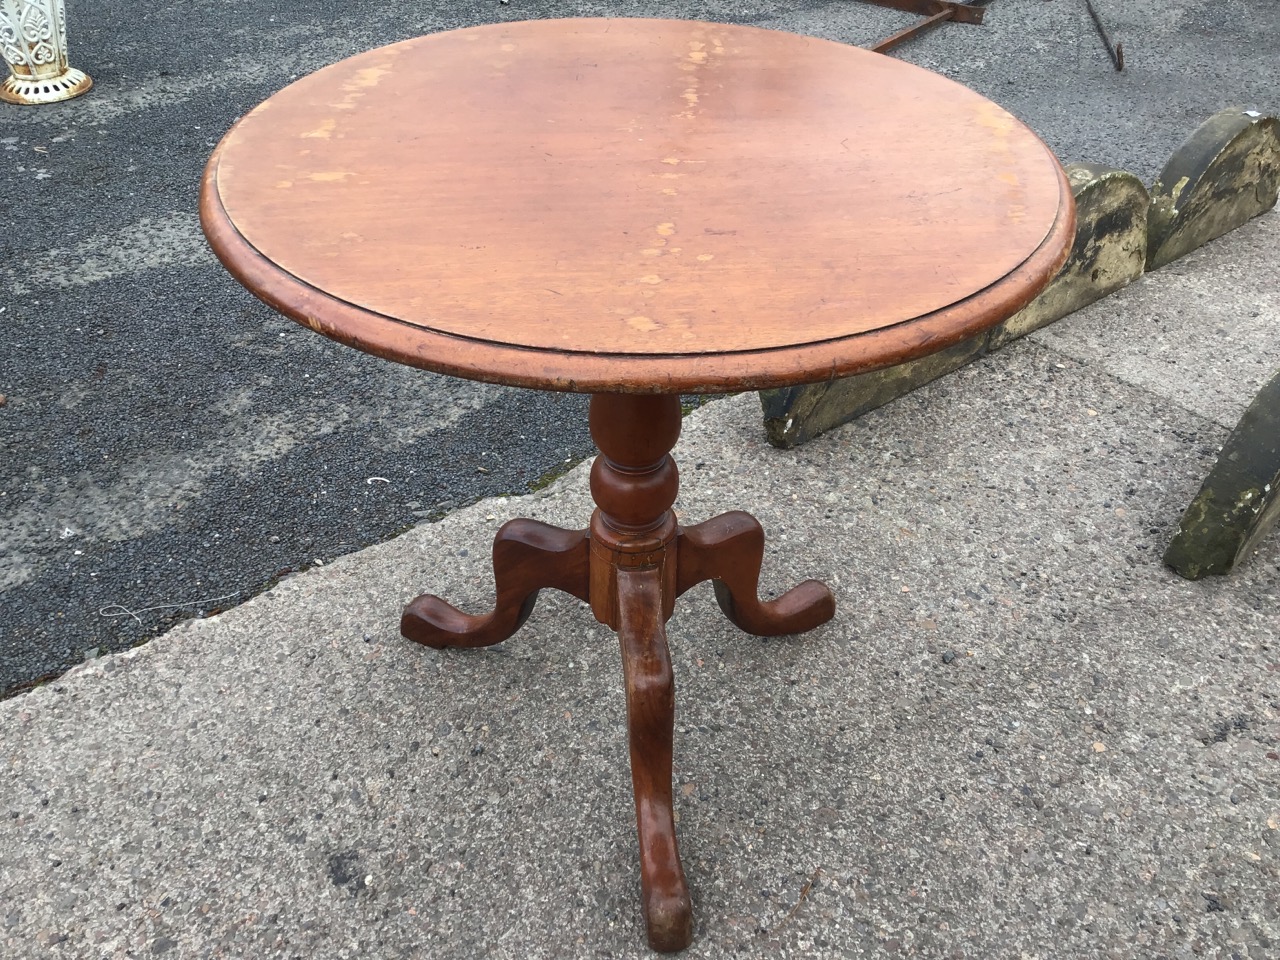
[[1021, 736], [170, 447]]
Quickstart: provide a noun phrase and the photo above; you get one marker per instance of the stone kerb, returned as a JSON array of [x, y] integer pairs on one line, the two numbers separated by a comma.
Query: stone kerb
[[1226, 173], [1240, 499], [1109, 250]]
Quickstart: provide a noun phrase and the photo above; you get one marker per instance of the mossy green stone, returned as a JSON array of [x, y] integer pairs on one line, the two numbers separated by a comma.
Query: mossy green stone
[[1109, 252], [1238, 503], [1226, 173], [794, 415]]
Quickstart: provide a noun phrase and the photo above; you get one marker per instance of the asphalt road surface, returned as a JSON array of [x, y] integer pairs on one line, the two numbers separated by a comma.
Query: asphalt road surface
[[169, 446]]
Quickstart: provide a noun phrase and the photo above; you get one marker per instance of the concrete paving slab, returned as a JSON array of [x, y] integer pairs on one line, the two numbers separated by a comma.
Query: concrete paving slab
[[1021, 735], [1201, 331]]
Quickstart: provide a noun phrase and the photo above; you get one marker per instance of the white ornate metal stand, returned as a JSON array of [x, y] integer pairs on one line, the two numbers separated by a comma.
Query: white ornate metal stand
[[33, 41]]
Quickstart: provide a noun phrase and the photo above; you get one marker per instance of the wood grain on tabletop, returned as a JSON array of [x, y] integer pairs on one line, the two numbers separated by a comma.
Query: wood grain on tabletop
[[636, 205]]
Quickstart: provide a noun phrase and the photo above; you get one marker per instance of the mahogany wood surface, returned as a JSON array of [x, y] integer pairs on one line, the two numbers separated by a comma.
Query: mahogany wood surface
[[728, 550], [651, 713], [527, 556], [614, 205]]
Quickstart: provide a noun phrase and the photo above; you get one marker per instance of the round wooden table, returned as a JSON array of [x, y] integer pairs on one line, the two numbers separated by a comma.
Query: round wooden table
[[635, 209]]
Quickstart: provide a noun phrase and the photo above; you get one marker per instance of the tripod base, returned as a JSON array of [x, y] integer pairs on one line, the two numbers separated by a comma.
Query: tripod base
[[630, 565]]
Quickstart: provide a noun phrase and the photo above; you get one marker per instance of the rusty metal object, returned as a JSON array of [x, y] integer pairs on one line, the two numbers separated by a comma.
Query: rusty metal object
[[902, 36], [1114, 51], [934, 13], [33, 42], [960, 12]]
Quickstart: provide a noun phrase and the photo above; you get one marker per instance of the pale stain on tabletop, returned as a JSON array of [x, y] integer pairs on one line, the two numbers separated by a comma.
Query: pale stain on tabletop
[[368, 77], [322, 132], [996, 119], [361, 82]]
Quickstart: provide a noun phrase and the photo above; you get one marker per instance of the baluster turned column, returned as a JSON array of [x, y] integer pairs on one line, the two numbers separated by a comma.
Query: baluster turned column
[[633, 588]]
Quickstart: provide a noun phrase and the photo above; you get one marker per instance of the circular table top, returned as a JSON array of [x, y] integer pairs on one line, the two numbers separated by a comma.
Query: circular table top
[[636, 205]]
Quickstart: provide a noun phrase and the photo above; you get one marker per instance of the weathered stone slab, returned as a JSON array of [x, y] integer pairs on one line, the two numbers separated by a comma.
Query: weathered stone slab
[[1240, 499], [1227, 172], [1109, 252], [796, 414]]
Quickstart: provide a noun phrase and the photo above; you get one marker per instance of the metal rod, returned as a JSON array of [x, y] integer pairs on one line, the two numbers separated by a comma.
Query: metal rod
[[1116, 52], [902, 36], [961, 12]]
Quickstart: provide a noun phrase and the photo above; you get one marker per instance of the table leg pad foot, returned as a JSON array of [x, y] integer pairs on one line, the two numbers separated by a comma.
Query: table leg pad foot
[[803, 607], [669, 922], [527, 556]]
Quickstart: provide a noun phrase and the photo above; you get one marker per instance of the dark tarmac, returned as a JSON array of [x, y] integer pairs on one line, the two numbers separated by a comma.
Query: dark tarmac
[[171, 447]]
